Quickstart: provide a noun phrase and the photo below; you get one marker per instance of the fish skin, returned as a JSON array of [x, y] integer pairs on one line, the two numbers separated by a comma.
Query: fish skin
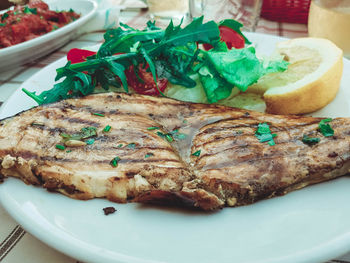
[[233, 167]]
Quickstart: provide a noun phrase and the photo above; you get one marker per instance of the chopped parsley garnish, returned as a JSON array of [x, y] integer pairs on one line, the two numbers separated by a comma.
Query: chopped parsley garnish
[[54, 27], [85, 133], [160, 134], [71, 10], [115, 161], [172, 135], [131, 145], [60, 147], [18, 19], [107, 128], [152, 128], [90, 141], [149, 155], [68, 151], [185, 121], [178, 136], [98, 114], [28, 10], [310, 140], [4, 16], [325, 128], [120, 146], [263, 133], [2, 24], [197, 153], [169, 138]]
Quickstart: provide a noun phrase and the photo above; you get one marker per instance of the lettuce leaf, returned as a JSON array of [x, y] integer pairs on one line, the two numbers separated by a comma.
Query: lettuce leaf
[[239, 68]]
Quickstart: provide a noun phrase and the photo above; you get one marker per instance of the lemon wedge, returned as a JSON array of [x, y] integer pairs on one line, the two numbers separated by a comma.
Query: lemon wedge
[[311, 81]]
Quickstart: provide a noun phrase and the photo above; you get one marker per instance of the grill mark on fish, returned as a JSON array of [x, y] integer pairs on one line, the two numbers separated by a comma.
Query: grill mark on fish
[[247, 139], [214, 133], [107, 161], [254, 142], [252, 125], [82, 121]]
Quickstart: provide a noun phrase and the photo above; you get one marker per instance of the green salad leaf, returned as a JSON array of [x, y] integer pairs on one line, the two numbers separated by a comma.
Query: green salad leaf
[[172, 53]]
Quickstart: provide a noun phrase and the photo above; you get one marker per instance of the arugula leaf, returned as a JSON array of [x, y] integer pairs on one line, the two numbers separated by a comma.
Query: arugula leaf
[[196, 31], [151, 67], [120, 40], [151, 25], [176, 63], [118, 70]]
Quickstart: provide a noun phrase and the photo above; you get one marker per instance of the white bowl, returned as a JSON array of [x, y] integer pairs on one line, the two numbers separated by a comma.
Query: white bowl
[[31, 50]]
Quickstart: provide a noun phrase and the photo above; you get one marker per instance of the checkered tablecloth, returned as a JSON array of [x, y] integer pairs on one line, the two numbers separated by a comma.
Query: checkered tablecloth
[[19, 246]]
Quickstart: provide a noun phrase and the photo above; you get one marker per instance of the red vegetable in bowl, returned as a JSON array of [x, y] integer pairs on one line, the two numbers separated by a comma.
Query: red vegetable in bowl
[[30, 21]]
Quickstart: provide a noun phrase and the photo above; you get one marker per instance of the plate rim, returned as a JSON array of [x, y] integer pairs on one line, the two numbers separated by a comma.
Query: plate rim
[[338, 247], [59, 32]]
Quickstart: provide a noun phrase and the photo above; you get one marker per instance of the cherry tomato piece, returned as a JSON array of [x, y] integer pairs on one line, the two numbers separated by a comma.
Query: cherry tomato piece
[[230, 37], [147, 85]]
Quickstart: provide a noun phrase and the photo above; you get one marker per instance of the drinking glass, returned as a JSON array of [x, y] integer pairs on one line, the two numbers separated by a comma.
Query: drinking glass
[[331, 19], [174, 9], [246, 12]]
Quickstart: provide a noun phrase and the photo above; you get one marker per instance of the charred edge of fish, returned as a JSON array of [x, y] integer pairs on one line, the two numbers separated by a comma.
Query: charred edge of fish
[[332, 155], [53, 185], [38, 176], [160, 197], [2, 177], [130, 174]]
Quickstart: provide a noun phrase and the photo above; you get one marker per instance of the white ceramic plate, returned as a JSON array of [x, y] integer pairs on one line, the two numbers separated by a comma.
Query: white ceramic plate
[[309, 225], [30, 50]]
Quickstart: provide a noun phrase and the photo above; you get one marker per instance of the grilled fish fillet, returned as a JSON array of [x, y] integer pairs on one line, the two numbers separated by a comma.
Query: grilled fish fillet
[[168, 151]]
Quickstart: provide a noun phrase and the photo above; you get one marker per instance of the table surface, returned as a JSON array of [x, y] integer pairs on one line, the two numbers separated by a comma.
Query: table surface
[[16, 244]]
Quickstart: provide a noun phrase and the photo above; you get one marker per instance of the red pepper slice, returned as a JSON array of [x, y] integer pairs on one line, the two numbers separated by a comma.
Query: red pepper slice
[[77, 55]]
